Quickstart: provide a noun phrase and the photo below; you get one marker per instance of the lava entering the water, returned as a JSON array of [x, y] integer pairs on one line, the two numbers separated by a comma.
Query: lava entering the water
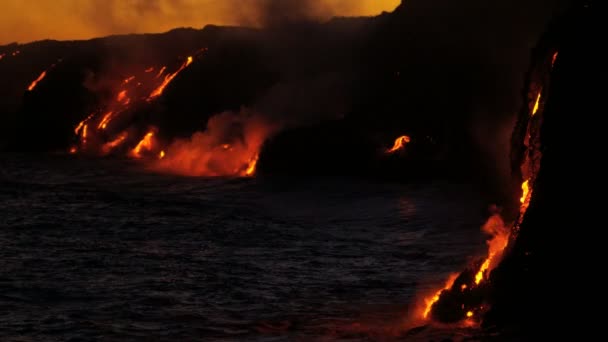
[[252, 166], [145, 144], [499, 232], [430, 301], [230, 146], [462, 299]]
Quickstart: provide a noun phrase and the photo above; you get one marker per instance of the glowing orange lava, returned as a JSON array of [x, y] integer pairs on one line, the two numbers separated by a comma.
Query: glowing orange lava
[[149, 70], [484, 267], [35, 83], [146, 144], [229, 146], [161, 155], [84, 133], [122, 96], [159, 91], [82, 123], [129, 79], [526, 194], [554, 58], [399, 143], [499, 232], [105, 120], [111, 145], [161, 72], [525, 189], [432, 300], [252, 166], [537, 103]]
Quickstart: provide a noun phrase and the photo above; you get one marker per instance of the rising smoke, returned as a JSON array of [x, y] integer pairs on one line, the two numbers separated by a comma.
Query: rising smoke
[[431, 67], [25, 21]]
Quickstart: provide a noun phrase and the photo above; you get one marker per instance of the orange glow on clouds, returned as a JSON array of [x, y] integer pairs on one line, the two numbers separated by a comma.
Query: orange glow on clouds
[[24, 21]]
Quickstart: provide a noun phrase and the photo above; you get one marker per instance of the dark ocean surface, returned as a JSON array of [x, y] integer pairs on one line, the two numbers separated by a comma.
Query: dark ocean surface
[[103, 250]]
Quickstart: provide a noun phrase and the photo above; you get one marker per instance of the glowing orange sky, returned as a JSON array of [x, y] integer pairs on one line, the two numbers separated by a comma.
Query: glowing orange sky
[[28, 20]]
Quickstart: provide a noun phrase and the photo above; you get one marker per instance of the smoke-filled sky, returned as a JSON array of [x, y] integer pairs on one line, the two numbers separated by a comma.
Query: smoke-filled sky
[[24, 21]]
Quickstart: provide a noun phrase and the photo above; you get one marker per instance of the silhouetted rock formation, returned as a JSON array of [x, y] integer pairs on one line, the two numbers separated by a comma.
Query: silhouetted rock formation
[[535, 288], [447, 75]]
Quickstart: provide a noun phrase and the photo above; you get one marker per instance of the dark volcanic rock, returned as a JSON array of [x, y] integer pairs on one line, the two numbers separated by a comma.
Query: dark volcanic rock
[[535, 288]]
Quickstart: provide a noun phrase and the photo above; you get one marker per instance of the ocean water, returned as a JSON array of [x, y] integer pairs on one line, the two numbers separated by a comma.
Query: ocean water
[[104, 250]]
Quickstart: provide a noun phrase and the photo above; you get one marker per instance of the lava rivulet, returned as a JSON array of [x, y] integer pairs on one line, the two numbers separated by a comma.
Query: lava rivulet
[[40, 77], [399, 144], [111, 145], [536, 103], [114, 116], [159, 90], [146, 144], [36, 81], [465, 298], [430, 301], [499, 232], [554, 58]]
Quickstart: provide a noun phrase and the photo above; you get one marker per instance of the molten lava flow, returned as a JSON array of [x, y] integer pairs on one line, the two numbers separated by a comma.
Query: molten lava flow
[[35, 83], [230, 146], [128, 79], [482, 270], [554, 58], [111, 145], [146, 144], [161, 155], [525, 189], [84, 134], [433, 299], [252, 166], [161, 72], [82, 123], [526, 194], [462, 287], [537, 103], [399, 143], [149, 70], [122, 96], [466, 299], [159, 91], [494, 226], [105, 120]]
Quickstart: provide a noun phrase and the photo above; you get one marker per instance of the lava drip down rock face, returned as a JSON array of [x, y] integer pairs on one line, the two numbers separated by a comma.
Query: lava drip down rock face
[[534, 284], [532, 288]]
